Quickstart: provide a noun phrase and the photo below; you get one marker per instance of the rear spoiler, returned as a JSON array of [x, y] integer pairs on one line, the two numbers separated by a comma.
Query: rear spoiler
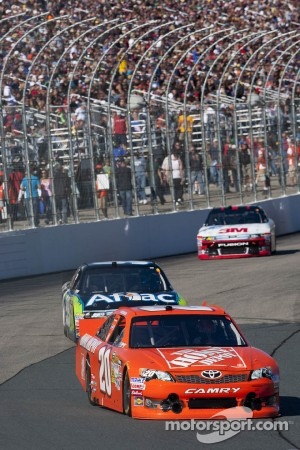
[[90, 325]]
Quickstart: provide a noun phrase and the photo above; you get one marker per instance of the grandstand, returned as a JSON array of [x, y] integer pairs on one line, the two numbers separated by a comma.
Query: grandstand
[[231, 69]]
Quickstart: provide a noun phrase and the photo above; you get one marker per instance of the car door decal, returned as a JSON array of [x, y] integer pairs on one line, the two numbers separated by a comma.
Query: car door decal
[[105, 370]]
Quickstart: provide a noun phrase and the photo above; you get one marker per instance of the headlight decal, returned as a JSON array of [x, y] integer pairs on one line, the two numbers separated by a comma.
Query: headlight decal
[[152, 374], [263, 372]]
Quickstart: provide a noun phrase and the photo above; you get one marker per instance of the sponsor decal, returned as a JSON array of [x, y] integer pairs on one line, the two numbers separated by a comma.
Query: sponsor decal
[[138, 401], [134, 296], [137, 383], [116, 371], [82, 367], [233, 244], [233, 230], [94, 315], [139, 386], [211, 374], [77, 318], [212, 390], [89, 342], [105, 370], [203, 357], [135, 392], [147, 373]]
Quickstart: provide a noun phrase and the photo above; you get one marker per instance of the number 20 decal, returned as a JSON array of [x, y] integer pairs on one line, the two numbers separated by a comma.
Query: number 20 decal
[[104, 372]]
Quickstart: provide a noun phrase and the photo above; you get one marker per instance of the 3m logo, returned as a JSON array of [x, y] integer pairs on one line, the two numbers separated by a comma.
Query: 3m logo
[[233, 230]]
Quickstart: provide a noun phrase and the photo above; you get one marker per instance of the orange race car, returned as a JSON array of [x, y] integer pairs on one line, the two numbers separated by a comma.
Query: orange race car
[[174, 362]]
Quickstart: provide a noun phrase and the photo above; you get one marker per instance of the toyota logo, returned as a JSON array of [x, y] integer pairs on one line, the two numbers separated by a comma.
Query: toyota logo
[[211, 374]]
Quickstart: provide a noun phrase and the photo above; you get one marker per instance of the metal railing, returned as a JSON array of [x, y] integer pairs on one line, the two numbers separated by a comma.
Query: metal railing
[[197, 76]]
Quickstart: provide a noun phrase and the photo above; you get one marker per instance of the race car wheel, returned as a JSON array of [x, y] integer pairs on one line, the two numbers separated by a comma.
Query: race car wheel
[[66, 331], [126, 395], [64, 321], [88, 383], [72, 334], [273, 248]]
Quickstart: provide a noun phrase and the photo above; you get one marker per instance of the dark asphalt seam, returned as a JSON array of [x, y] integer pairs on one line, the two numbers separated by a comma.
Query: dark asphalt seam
[[293, 446], [272, 354], [283, 342]]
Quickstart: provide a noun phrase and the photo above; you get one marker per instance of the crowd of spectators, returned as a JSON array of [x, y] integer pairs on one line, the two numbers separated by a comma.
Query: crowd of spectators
[[48, 19], [55, 56]]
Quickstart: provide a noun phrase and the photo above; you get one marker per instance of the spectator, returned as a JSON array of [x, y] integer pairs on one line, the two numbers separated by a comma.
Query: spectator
[[215, 163], [45, 183], [185, 126], [84, 180], [209, 118], [108, 169], [292, 163], [197, 172], [246, 168], [119, 129], [158, 189], [102, 187], [140, 172], [261, 168], [233, 166], [224, 174], [80, 116], [137, 124], [62, 192], [31, 188], [14, 183], [173, 170], [124, 186], [119, 152], [3, 210]]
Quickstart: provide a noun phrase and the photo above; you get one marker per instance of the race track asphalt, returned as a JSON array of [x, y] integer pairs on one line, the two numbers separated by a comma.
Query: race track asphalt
[[42, 405]]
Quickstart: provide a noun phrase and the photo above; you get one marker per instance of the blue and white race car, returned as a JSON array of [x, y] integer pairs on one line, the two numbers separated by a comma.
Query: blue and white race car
[[99, 288]]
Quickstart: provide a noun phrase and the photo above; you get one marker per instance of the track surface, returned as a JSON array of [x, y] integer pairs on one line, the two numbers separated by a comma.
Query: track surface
[[42, 405]]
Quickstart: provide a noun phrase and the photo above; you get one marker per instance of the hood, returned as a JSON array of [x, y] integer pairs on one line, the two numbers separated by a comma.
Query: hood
[[98, 301], [240, 231], [201, 358]]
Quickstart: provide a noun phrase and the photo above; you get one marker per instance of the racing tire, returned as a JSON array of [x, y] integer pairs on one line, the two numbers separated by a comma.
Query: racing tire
[[72, 334], [66, 328], [273, 249], [88, 385], [126, 395]]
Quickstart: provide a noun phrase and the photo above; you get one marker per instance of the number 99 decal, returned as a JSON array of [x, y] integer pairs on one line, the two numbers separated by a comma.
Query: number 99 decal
[[104, 372]]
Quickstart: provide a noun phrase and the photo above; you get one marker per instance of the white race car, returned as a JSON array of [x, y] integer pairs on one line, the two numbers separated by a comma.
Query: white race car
[[236, 232]]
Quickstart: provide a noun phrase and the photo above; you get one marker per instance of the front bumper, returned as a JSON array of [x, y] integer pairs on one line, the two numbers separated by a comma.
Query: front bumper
[[167, 401], [233, 249]]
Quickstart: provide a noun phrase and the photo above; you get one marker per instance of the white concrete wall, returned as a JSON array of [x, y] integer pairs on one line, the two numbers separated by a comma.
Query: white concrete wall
[[52, 249]]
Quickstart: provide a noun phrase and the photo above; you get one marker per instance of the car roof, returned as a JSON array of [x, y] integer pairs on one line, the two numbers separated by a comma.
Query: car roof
[[236, 208], [167, 310], [119, 263]]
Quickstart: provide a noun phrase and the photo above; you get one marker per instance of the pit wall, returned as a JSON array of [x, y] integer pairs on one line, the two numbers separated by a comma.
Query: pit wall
[[60, 248]]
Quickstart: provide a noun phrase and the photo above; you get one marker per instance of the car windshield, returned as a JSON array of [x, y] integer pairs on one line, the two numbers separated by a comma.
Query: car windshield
[[137, 279], [234, 217], [184, 331]]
